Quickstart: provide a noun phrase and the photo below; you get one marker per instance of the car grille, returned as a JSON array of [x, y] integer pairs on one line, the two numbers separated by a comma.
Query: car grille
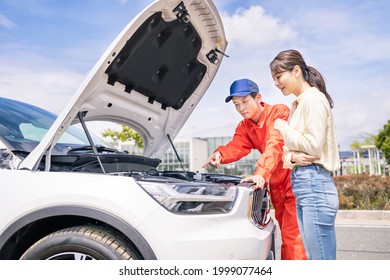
[[259, 211]]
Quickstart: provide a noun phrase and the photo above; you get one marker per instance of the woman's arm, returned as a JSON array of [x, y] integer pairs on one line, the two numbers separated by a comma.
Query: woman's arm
[[310, 138]]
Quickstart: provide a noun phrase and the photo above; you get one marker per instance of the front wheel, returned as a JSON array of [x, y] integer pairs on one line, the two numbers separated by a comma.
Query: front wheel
[[80, 243]]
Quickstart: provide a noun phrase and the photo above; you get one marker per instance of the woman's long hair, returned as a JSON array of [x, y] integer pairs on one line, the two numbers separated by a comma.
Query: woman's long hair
[[286, 61]]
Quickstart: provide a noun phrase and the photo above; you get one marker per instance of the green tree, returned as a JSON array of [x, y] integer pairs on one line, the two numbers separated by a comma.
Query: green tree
[[369, 139], [126, 134], [382, 141], [355, 145]]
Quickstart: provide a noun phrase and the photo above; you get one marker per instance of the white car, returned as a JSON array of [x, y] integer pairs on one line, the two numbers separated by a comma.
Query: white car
[[66, 195]]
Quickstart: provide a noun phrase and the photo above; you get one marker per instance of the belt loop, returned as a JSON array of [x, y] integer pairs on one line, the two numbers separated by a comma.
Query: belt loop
[[318, 167]]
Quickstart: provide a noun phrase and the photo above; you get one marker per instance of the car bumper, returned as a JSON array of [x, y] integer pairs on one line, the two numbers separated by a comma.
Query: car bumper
[[223, 236]]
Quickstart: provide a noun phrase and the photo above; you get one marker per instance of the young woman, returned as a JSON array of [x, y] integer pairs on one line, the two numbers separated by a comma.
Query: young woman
[[310, 150]]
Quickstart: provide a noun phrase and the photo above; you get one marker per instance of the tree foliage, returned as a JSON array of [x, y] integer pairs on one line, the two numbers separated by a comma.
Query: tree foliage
[[369, 139], [382, 141], [126, 134]]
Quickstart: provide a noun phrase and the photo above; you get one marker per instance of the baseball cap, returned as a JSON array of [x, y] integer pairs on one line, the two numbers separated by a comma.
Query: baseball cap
[[242, 87]]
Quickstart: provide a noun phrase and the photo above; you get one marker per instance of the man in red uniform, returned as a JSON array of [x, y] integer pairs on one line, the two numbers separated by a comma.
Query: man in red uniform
[[256, 132]]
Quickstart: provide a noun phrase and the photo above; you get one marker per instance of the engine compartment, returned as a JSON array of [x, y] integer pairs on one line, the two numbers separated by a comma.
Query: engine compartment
[[118, 164]]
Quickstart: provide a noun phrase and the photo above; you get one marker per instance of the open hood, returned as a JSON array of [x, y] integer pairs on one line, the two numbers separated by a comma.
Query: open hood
[[151, 77]]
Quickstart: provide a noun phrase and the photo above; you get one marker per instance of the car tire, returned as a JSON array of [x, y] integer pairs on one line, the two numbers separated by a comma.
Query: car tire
[[80, 243]]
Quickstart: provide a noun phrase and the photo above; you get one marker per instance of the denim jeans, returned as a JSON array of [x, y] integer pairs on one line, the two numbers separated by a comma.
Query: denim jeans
[[317, 204]]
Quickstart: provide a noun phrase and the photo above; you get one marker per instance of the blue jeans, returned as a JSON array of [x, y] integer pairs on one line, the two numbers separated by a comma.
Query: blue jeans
[[317, 204]]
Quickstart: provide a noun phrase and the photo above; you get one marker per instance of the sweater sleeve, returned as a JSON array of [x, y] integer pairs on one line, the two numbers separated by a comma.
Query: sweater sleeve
[[311, 139], [287, 156]]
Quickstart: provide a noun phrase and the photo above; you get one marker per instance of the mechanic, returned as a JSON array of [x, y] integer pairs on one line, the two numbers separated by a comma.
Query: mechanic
[[256, 131]]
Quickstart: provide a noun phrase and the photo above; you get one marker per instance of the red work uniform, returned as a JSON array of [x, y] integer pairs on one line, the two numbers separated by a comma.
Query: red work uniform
[[263, 137]]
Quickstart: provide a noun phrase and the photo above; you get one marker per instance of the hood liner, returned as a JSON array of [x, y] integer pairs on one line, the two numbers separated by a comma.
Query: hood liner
[[174, 72]]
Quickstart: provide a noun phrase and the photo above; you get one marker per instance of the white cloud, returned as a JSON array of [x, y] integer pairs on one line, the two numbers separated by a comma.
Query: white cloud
[[361, 112], [5, 22], [50, 89], [253, 27]]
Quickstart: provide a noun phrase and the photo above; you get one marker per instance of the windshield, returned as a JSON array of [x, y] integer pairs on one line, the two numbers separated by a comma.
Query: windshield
[[22, 127]]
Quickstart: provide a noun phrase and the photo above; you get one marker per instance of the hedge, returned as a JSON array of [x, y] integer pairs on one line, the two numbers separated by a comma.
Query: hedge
[[363, 192]]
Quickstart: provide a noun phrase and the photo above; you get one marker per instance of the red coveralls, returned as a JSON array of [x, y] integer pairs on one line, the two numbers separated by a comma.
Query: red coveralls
[[263, 137]]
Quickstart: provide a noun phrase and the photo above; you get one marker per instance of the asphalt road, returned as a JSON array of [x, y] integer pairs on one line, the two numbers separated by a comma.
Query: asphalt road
[[361, 235], [363, 242]]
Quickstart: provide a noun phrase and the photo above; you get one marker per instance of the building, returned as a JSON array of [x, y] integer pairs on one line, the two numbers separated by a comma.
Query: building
[[193, 152], [190, 153], [367, 159]]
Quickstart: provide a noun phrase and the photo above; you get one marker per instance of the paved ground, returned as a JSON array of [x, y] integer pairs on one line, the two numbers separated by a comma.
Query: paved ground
[[351, 218], [365, 217]]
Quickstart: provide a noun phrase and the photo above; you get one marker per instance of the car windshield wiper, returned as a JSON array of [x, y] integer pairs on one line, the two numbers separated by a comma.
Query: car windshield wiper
[[99, 148]]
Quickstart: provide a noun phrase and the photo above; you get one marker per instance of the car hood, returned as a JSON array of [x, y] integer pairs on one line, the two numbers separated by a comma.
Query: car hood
[[151, 77]]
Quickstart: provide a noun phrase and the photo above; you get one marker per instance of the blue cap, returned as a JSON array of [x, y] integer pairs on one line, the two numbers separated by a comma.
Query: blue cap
[[242, 88]]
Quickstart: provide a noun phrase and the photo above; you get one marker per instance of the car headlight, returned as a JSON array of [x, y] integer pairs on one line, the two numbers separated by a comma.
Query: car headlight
[[192, 198]]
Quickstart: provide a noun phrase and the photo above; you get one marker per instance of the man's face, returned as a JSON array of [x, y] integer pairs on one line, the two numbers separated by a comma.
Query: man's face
[[247, 106]]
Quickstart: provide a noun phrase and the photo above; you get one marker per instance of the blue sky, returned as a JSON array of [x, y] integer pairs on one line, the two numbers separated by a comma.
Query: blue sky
[[47, 47]]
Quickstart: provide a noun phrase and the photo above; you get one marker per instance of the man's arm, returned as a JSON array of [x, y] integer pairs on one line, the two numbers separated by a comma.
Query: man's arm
[[273, 152], [238, 147]]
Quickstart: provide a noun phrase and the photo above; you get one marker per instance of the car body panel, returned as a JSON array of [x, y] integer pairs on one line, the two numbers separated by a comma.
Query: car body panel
[[171, 236]]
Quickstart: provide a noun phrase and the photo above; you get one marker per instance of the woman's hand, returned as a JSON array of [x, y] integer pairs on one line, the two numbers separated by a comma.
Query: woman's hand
[[303, 159], [281, 126]]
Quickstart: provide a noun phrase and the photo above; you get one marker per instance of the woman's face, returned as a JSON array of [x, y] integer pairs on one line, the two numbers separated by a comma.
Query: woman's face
[[289, 81], [247, 106]]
